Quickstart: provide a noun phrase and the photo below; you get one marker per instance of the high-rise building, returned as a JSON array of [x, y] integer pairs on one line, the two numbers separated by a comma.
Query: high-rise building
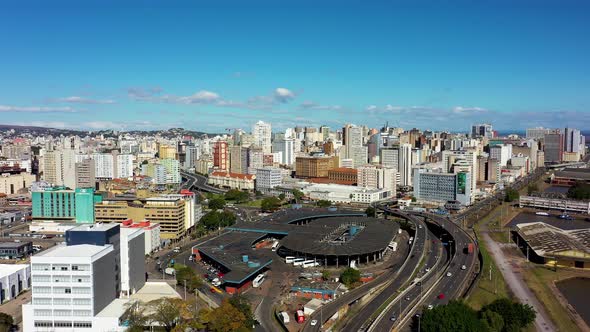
[[389, 157], [193, 153], [110, 166], [554, 144], [450, 158], [172, 167], [482, 130], [238, 159], [572, 140], [156, 171], [374, 177], [85, 174], [315, 167], [353, 145], [221, 155], [262, 133], [287, 147], [61, 204], [539, 133], [255, 159], [502, 152], [431, 186], [59, 168], [167, 152], [405, 163], [268, 178]]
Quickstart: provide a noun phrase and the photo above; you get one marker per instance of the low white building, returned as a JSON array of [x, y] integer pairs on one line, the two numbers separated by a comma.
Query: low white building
[[337, 193], [151, 233], [14, 278], [268, 177]]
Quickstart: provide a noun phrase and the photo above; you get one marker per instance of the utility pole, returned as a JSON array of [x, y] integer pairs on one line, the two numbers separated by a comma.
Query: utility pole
[[185, 289]]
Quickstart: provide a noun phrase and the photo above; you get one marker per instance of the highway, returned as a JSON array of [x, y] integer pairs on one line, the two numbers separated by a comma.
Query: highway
[[393, 276], [199, 182], [451, 287]]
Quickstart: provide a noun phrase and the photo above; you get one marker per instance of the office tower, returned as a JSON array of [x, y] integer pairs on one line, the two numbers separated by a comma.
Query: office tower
[[268, 178], [193, 153], [262, 133], [325, 132], [554, 144], [61, 204], [389, 157], [255, 159], [236, 164], [482, 130], [167, 152], [405, 164], [353, 145], [502, 152], [155, 171], [440, 187], [221, 155], [315, 167], [493, 171], [539, 133], [572, 140], [123, 167], [359, 155], [85, 174], [169, 213], [287, 147], [449, 159], [328, 148], [59, 168], [172, 167], [374, 177], [192, 210], [482, 165], [110, 166]]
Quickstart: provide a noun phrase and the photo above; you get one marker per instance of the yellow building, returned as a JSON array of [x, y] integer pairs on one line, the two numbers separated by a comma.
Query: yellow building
[[167, 152], [315, 167], [169, 212]]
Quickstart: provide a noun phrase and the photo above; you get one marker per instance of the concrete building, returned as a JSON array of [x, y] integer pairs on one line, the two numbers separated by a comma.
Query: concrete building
[[155, 171], [85, 174], [287, 148], [193, 153], [255, 159], [15, 250], [15, 183], [238, 159], [450, 158], [232, 180], [167, 152], [14, 279], [151, 234], [502, 153], [262, 133], [61, 204], [572, 141], [59, 168], [405, 164], [377, 177], [439, 187], [71, 284], [132, 260], [337, 193], [315, 167], [343, 175], [482, 130], [172, 167], [554, 144], [268, 177], [539, 132], [221, 155]]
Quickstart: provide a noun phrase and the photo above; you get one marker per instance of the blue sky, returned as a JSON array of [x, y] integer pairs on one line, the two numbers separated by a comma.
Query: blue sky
[[211, 65]]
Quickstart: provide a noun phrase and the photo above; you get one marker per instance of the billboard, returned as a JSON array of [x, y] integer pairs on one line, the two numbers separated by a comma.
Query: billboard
[[461, 182]]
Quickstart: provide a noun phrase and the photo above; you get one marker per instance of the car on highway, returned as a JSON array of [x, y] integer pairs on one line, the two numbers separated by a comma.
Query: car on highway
[[427, 269], [408, 298], [441, 296], [314, 322], [463, 267], [158, 262], [449, 274], [430, 306], [176, 249]]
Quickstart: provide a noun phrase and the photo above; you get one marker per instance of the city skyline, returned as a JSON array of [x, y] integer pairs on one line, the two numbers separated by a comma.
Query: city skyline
[[208, 68]]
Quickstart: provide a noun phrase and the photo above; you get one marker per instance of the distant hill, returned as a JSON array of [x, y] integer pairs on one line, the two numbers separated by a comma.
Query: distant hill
[[70, 132]]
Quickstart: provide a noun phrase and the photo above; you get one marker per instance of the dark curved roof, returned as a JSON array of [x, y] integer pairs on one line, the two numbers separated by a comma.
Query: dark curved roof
[[375, 236]]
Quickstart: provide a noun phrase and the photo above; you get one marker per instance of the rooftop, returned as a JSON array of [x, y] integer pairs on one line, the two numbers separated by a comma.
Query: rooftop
[[548, 241], [574, 173], [8, 269], [98, 227], [81, 250], [14, 244]]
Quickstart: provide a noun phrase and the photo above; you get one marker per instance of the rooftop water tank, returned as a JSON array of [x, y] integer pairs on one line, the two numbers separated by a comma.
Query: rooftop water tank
[[245, 258], [353, 230], [253, 264]]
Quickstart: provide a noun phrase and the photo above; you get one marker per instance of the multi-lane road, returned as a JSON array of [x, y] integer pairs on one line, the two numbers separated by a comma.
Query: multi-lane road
[[199, 182]]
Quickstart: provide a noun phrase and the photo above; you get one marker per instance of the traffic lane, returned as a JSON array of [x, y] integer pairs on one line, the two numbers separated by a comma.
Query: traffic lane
[[361, 317], [331, 308], [386, 324]]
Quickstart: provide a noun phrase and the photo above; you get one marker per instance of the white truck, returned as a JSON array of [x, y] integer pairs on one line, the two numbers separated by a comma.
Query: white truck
[[170, 271]]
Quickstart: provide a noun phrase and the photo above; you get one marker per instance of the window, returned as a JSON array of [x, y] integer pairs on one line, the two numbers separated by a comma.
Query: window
[[81, 290], [42, 301], [41, 290], [42, 312], [59, 301], [82, 313], [62, 313], [63, 324], [82, 301], [38, 278], [68, 291], [61, 278], [83, 324], [43, 324]]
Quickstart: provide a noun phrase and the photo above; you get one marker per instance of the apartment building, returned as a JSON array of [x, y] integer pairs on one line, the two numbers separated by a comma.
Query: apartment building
[[315, 166]]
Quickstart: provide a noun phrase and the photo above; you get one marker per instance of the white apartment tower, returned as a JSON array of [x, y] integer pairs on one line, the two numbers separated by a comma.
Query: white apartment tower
[[262, 133]]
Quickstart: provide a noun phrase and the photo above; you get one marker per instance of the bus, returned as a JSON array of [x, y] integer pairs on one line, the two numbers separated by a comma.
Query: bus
[[298, 261], [258, 281], [289, 259], [310, 263], [300, 316], [411, 240], [275, 246]]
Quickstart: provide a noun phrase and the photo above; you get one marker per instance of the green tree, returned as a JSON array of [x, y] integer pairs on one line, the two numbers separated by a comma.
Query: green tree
[[270, 204], [323, 203], [350, 276], [579, 191], [227, 218], [511, 195], [243, 305], [166, 312], [326, 274], [456, 316], [532, 188], [227, 318], [492, 321], [282, 196], [187, 274], [237, 195], [135, 316], [211, 220], [370, 211], [414, 199], [216, 203], [515, 315], [298, 194]]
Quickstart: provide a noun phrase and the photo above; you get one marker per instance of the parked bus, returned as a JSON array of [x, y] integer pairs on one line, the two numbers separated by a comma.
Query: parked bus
[[258, 281], [298, 261], [275, 246], [310, 263], [300, 316], [289, 259]]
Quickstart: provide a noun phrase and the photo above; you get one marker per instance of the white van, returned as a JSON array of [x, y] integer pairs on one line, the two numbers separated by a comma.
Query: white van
[[289, 259]]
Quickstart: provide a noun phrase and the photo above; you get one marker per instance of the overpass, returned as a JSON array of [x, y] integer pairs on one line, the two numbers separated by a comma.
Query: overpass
[[199, 182]]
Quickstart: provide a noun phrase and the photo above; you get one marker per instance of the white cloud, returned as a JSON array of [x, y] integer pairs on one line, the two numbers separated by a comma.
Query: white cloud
[[200, 97], [283, 95], [310, 105], [463, 110], [36, 109], [83, 100], [143, 93]]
